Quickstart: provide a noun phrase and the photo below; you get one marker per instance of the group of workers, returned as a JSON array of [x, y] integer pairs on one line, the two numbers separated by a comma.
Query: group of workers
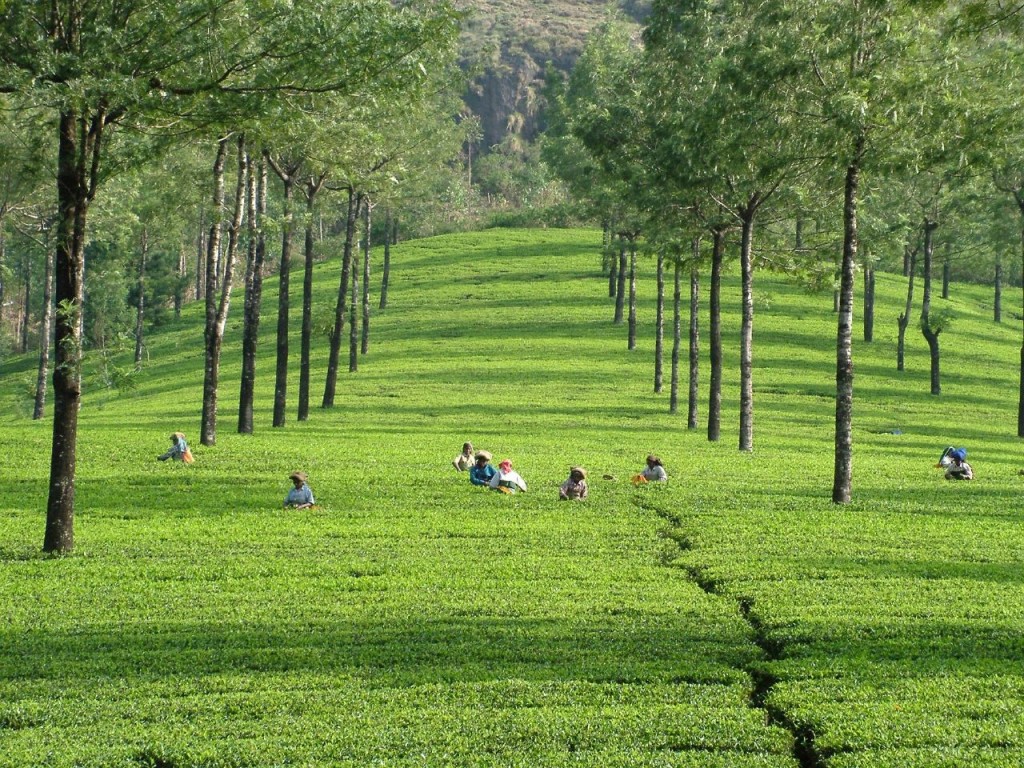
[[507, 480]]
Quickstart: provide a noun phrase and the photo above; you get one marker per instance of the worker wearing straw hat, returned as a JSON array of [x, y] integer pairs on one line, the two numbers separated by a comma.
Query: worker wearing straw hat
[[575, 487], [179, 450], [481, 472], [299, 497]]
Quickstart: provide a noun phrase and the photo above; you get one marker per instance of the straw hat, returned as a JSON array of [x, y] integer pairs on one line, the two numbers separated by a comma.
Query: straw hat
[[177, 435], [482, 455], [300, 476], [581, 470]]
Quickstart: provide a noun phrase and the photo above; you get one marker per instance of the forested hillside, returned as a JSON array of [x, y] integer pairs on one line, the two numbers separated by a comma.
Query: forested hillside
[[508, 43]]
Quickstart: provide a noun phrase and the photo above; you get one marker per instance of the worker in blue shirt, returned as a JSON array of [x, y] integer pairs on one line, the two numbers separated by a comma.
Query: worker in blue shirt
[[482, 471], [299, 497]]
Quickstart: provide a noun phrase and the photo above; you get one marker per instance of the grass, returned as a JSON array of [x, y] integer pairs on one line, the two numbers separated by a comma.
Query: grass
[[734, 617]]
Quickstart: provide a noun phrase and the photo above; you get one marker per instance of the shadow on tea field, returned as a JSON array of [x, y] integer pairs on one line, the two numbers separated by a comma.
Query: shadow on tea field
[[399, 651]]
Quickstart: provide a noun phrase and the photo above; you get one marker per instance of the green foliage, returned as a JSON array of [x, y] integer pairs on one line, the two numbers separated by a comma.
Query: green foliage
[[514, 176], [941, 319], [412, 619], [112, 376], [561, 215], [108, 317], [71, 314]]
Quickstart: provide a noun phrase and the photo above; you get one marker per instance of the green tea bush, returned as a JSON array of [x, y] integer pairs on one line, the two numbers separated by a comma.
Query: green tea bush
[[412, 619]]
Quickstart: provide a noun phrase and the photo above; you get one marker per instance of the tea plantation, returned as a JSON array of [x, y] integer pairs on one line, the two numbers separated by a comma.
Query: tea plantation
[[733, 618]]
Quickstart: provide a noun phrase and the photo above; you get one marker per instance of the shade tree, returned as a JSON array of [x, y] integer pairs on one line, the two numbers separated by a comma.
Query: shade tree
[[385, 152], [256, 251], [217, 308], [855, 73], [129, 63], [594, 195], [731, 130], [602, 109], [1006, 161], [24, 162]]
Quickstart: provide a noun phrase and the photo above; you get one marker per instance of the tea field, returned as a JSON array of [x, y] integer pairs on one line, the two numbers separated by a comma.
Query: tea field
[[733, 618]]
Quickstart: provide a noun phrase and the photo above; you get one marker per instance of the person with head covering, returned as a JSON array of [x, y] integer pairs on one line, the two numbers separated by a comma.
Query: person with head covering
[[575, 487], [507, 480], [654, 472], [946, 458], [299, 497], [179, 450], [481, 472], [958, 468], [466, 459]]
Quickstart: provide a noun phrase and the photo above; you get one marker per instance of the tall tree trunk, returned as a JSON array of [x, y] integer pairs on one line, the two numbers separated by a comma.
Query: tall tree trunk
[[140, 306], [207, 427], [677, 333], [78, 153], [869, 303], [218, 265], [45, 333], [746, 442], [364, 346], [620, 283], [257, 208], [218, 320], [306, 341], [385, 275], [715, 341], [691, 418], [910, 259], [313, 186], [842, 477], [331, 385], [997, 301], [659, 324], [286, 172], [631, 331], [931, 335], [353, 323]]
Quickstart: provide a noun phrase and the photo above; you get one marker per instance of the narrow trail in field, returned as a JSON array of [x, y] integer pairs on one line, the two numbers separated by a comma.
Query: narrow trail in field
[[804, 750]]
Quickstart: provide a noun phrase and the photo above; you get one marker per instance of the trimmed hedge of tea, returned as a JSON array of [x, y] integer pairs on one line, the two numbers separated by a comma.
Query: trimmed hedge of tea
[[733, 617]]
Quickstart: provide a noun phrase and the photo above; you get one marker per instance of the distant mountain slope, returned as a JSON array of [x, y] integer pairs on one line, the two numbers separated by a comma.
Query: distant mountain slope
[[510, 42]]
